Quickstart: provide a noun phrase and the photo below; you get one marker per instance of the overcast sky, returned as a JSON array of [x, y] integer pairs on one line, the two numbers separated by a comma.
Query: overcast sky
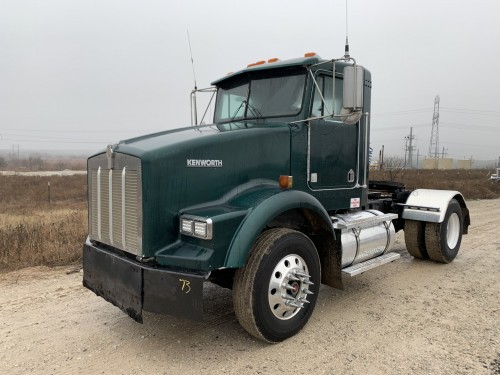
[[79, 74]]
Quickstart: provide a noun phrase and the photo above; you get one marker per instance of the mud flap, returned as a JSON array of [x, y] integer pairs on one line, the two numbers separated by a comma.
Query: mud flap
[[132, 286]]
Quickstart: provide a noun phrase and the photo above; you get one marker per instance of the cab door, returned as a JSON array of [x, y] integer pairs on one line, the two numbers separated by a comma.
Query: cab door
[[333, 145]]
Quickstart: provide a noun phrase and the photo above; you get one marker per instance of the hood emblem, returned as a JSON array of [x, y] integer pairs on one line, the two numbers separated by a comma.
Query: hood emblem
[[203, 163]]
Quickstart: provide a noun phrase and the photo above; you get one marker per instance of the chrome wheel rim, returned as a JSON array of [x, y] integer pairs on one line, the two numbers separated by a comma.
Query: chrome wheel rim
[[453, 230], [289, 287]]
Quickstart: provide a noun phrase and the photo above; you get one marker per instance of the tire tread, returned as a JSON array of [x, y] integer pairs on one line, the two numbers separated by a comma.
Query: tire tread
[[415, 239]]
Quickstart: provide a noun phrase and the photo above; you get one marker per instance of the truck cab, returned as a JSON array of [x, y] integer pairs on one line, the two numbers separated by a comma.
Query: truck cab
[[271, 199]]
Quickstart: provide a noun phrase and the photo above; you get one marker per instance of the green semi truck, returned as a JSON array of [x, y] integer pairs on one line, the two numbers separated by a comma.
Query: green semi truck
[[270, 200]]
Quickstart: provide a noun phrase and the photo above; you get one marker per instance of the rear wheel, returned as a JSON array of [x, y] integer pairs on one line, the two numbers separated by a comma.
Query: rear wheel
[[442, 240], [274, 294], [415, 239]]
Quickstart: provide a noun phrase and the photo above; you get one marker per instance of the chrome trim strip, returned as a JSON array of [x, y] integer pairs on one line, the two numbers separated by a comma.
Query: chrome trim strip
[[99, 226], [124, 171], [110, 204]]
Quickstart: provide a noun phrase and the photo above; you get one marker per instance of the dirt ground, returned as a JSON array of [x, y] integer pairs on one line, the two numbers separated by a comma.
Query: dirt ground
[[408, 317]]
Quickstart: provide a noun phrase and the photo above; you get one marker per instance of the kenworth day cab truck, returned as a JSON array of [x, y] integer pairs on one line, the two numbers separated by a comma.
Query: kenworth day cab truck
[[271, 200]]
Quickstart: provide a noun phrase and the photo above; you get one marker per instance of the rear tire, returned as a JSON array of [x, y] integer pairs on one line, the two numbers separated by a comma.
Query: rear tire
[[415, 239], [274, 294], [442, 240]]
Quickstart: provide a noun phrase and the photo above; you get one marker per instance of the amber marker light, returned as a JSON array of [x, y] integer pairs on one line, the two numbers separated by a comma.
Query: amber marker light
[[273, 60], [310, 54], [286, 182]]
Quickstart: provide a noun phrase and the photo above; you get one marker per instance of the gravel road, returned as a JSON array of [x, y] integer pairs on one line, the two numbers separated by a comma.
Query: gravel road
[[408, 317]]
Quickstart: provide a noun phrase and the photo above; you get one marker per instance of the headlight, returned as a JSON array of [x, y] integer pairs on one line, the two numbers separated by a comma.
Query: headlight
[[196, 226]]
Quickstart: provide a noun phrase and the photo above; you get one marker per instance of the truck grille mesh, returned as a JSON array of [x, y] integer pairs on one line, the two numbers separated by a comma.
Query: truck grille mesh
[[115, 203]]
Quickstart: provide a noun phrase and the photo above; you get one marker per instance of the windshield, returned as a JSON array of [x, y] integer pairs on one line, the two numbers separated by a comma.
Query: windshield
[[258, 98]]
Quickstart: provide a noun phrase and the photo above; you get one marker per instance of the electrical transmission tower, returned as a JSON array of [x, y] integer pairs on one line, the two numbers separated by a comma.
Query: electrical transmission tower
[[434, 143]]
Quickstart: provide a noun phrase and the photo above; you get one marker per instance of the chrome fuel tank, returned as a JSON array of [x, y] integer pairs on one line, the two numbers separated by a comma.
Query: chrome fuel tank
[[364, 237]]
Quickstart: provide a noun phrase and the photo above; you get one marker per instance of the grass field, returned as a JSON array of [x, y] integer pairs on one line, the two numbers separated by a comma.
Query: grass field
[[34, 232]]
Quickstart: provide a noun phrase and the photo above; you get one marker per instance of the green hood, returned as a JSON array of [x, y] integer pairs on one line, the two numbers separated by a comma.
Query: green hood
[[188, 167]]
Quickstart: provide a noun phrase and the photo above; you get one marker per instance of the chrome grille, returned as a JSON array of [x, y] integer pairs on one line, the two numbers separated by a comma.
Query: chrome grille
[[115, 203]]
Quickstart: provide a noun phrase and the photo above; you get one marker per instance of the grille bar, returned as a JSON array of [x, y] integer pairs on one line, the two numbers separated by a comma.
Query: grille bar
[[124, 242], [99, 226], [110, 184]]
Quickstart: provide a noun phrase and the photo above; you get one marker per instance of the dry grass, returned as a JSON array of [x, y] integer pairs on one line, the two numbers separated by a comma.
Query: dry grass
[[50, 238], [473, 184], [32, 232]]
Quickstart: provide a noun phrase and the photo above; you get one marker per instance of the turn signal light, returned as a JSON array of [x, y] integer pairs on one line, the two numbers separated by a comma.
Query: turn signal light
[[286, 182]]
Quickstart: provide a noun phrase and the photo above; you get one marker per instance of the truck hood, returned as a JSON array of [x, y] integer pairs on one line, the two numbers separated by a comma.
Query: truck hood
[[193, 166], [156, 145]]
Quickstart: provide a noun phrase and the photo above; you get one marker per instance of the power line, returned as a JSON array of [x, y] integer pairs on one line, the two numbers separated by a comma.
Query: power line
[[48, 141], [403, 112], [443, 109], [471, 111]]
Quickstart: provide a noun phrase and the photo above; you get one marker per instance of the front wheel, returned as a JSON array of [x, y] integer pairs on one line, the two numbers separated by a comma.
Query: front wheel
[[274, 294], [442, 240]]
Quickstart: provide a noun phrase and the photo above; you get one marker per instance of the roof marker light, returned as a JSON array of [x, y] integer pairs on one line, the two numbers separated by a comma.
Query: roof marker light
[[310, 54], [274, 59]]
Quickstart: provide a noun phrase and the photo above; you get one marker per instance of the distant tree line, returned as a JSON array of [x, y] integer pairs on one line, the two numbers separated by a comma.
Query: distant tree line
[[36, 162]]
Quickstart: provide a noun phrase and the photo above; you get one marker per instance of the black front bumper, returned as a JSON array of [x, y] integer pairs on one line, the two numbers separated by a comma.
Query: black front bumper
[[133, 286]]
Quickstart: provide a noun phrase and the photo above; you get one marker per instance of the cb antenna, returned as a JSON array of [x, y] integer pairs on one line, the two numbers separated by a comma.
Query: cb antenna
[[192, 61], [346, 53]]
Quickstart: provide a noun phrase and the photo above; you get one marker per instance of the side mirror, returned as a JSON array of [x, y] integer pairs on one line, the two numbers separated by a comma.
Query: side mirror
[[352, 100]]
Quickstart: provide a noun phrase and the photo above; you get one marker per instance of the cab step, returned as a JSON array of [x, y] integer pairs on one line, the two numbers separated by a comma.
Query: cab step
[[369, 264]]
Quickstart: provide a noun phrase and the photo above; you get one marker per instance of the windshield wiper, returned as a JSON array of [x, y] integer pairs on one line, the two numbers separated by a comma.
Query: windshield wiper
[[254, 111], [237, 111]]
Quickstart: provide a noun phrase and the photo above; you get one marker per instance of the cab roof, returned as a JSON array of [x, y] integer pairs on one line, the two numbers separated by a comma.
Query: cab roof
[[307, 60]]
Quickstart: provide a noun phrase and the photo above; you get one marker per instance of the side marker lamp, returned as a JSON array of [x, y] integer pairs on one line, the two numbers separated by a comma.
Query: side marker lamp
[[286, 182]]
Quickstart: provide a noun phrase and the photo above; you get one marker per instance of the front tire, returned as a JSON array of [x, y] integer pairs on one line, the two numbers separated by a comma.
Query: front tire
[[274, 294], [442, 240]]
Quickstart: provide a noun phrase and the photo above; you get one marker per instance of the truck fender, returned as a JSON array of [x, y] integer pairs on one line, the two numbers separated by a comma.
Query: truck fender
[[262, 214], [430, 206]]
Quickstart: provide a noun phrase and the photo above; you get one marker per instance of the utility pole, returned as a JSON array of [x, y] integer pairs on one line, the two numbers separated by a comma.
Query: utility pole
[[418, 155], [409, 148], [445, 152], [13, 151], [381, 159]]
